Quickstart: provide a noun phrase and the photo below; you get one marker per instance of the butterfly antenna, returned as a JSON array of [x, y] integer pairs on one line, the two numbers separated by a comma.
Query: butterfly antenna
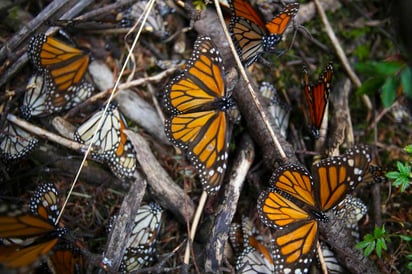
[[249, 87], [89, 148]]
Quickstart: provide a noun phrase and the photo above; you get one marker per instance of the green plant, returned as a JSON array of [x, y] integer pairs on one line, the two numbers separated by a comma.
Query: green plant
[[390, 77], [403, 176], [376, 241]]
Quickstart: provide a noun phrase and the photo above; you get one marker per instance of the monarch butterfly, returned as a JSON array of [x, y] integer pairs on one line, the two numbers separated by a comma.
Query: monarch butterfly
[[111, 143], [15, 142], [317, 97], [30, 237], [66, 259], [296, 201], [39, 101], [154, 23], [63, 68], [198, 103], [141, 249], [331, 262], [279, 110], [251, 35], [351, 210], [253, 256]]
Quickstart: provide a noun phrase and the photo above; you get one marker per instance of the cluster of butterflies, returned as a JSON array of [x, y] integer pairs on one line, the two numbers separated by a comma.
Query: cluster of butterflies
[[59, 84], [27, 239], [198, 107], [199, 122]]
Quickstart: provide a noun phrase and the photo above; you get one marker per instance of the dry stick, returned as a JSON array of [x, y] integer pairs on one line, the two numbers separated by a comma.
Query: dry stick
[[321, 259], [341, 54], [244, 76], [45, 134], [123, 227], [149, 4], [219, 234], [167, 193]]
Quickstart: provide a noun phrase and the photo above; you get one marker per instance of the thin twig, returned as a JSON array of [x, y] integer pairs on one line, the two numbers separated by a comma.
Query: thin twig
[[46, 134]]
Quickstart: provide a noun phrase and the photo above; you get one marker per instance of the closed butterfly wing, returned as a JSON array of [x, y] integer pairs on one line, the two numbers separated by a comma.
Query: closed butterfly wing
[[197, 102], [317, 97], [34, 102], [110, 137], [337, 176], [15, 143], [252, 261], [123, 163], [141, 246], [66, 259], [279, 110], [351, 210]]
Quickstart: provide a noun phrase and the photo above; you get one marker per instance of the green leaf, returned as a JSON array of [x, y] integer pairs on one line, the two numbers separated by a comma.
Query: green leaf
[[393, 175], [404, 169], [379, 247], [369, 249], [408, 149], [370, 86], [362, 245], [406, 80], [406, 238], [389, 91], [379, 68]]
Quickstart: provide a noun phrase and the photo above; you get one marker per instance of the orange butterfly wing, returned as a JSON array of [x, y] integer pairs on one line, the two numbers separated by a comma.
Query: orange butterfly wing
[[297, 230], [14, 256], [337, 176], [197, 103], [280, 22], [317, 97], [65, 64], [243, 9]]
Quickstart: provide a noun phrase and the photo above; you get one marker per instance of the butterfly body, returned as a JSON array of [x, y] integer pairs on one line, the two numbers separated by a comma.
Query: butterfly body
[[296, 202], [197, 103], [253, 37]]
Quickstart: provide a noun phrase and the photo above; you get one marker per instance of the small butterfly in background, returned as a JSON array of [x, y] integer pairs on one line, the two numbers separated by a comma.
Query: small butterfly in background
[[252, 256], [66, 259], [15, 143], [317, 97], [63, 68], [279, 110], [296, 201], [141, 246], [111, 144], [251, 36], [197, 104], [29, 238]]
